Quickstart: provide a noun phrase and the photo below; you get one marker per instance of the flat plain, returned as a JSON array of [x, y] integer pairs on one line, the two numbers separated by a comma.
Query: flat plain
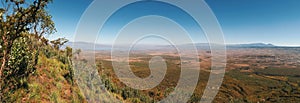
[[252, 74]]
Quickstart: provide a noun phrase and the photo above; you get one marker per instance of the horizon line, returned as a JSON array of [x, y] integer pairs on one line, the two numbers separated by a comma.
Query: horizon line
[[227, 44]]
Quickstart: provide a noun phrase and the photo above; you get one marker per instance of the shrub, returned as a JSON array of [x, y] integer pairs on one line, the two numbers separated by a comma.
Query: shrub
[[20, 66], [21, 62]]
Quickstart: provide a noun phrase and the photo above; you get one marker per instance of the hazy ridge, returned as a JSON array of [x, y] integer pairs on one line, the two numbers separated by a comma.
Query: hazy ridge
[[94, 46]]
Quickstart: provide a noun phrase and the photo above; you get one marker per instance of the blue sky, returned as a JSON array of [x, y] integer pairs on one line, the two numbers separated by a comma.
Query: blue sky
[[242, 21], [66, 15]]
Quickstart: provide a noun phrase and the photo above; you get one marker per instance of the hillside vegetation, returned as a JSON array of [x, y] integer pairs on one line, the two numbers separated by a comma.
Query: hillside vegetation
[[33, 69], [51, 80]]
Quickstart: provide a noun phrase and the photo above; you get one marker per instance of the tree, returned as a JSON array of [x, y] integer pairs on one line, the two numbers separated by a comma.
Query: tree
[[77, 52], [59, 42], [17, 19], [69, 51]]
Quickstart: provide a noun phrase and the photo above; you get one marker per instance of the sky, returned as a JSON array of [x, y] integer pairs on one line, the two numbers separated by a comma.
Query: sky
[[66, 15], [242, 21]]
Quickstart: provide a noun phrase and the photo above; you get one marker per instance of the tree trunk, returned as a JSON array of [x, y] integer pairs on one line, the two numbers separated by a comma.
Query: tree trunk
[[3, 64], [1, 72], [4, 57]]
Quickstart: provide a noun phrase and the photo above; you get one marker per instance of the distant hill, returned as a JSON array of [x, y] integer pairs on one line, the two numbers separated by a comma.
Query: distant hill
[[252, 45], [92, 46]]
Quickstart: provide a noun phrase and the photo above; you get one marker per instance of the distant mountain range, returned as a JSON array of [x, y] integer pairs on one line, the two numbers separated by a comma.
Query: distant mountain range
[[253, 45], [92, 46]]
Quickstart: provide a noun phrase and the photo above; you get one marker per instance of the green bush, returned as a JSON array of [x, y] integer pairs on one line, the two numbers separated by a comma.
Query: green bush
[[48, 51], [21, 62], [20, 65]]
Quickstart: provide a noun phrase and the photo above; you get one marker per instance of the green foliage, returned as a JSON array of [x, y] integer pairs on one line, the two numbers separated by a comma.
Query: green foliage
[[29, 65], [21, 58], [62, 56], [59, 42], [69, 51], [21, 65], [18, 20], [48, 51], [279, 72], [127, 94]]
